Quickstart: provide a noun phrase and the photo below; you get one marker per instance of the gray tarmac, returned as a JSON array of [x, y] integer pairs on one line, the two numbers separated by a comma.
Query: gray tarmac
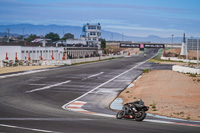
[[23, 110]]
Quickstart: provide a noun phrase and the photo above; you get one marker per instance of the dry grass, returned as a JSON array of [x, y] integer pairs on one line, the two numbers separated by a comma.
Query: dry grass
[[4, 70]]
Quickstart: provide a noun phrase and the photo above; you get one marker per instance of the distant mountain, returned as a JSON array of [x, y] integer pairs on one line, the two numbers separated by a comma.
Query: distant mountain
[[17, 29]]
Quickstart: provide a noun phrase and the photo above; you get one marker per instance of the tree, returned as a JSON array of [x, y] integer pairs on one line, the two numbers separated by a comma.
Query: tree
[[68, 36], [52, 36], [31, 37], [103, 43]]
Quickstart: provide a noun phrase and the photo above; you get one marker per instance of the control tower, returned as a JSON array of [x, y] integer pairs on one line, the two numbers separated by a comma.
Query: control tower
[[91, 33]]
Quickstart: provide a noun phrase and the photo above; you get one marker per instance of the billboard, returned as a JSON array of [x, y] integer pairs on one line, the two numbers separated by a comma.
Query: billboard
[[154, 46], [141, 46], [129, 45]]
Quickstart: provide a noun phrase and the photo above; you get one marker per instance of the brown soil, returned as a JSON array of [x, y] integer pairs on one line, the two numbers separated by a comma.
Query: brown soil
[[167, 93], [176, 51], [191, 54], [20, 68]]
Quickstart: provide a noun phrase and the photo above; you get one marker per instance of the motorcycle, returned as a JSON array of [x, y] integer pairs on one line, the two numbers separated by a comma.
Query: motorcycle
[[133, 110]]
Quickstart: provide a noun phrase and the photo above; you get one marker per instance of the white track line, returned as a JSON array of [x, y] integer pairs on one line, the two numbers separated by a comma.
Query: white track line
[[131, 85], [47, 87], [158, 121], [25, 128], [91, 76], [64, 106], [39, 84], [95, 75]]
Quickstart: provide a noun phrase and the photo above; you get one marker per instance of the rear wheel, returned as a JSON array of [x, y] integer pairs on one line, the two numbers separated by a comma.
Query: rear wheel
[[139, 116], [120, 114]]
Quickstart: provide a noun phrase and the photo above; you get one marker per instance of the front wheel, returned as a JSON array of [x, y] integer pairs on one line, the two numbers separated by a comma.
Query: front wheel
[[139, 116], [120, 114]]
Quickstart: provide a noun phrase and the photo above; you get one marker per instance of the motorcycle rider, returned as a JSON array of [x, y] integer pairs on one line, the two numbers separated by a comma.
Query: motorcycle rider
[[145, 55], [139, 102]]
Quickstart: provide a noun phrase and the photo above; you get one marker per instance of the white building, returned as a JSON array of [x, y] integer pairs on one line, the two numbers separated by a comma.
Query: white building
[[31, 53], [91, 33], [193, 44], [75, 42]]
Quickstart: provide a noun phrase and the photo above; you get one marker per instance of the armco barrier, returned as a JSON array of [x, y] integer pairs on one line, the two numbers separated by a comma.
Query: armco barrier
[[185, 69]]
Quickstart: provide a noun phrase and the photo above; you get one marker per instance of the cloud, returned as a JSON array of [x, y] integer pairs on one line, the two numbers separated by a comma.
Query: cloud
[[141, 28], [94, 5]]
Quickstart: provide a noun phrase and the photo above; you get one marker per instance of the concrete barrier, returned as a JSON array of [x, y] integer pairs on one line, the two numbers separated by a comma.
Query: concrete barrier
[[185, 69], [68, 61], [1, 63], [73, 61], [56, 63], [176, 59]]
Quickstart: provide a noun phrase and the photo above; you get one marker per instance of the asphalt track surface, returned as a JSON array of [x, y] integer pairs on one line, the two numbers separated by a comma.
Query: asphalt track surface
[[32, 103]]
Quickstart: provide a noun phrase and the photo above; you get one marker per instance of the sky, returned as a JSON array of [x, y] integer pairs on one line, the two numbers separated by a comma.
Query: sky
[[139, 18]]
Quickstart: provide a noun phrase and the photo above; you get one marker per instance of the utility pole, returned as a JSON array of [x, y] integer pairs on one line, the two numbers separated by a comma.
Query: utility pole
[[64, 33], [172, 38], [23, 33], [197, 53], [192, 42], [8, 33], [187, 53], [112, 36]]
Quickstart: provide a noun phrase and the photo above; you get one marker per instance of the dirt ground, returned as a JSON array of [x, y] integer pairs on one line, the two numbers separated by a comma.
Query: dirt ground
[[20, 68], [176, 51], [167, 93], [191, 54], [168, 62]]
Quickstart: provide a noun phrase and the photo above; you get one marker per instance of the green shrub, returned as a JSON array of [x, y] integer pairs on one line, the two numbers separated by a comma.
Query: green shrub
[[194, 58], [146, 70], [127, 91], [188, 118], [192, 75]]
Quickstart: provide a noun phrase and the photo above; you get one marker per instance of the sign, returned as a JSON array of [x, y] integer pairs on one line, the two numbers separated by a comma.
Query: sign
[[154, 45], [123, 45], [141, 46]]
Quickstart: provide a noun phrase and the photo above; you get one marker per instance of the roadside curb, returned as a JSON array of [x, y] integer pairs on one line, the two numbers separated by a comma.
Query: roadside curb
[[77, 107]]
